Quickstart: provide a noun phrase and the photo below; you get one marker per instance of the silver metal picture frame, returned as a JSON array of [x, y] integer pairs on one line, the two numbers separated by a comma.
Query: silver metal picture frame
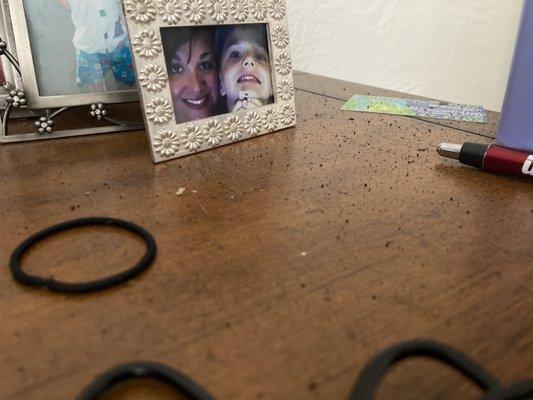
[[27, 61], [169, 136], [27, 116], [6, 34]]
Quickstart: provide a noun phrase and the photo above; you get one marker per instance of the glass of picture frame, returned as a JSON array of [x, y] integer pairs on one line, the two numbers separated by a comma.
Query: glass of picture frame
[[66, 78]]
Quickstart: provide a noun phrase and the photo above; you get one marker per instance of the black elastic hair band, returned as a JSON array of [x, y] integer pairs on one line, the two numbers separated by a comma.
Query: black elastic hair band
[[365, 388], [518, 391], [78, 288], [176, 380], [380, 366], [377, 368]]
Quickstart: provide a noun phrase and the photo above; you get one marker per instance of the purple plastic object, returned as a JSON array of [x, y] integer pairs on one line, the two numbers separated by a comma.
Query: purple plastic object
[[516, 126]]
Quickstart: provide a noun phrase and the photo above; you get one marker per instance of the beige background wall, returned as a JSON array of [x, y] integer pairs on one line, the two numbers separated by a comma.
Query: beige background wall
[[454, 50]]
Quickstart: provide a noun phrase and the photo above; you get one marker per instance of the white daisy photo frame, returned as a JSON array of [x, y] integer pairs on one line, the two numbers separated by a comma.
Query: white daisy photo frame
[[185, 111]]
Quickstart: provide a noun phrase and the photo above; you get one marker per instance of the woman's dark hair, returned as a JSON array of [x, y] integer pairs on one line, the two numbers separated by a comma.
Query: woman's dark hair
[[174, 38]]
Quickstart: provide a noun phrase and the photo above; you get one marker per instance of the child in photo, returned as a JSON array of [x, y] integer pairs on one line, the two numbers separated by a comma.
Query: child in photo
[[101, 43], [245, 77]]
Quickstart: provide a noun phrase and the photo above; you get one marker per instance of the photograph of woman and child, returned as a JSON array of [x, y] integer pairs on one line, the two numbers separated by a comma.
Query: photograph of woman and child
[[217, 70]]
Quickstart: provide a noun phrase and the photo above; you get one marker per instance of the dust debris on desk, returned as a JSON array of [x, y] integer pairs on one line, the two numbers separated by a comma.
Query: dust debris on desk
[[180, 191], [416, 108]]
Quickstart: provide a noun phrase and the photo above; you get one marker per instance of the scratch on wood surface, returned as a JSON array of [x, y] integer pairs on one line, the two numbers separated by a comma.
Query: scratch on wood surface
[[200, 204]]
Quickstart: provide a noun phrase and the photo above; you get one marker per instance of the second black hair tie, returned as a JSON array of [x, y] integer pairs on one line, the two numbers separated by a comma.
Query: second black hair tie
[[175, 379]]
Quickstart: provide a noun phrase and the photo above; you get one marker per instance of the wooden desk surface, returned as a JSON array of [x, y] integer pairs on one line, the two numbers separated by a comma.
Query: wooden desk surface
[[289, 261]]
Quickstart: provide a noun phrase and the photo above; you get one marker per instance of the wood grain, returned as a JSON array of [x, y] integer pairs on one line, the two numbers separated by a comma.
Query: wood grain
[[289, 261]]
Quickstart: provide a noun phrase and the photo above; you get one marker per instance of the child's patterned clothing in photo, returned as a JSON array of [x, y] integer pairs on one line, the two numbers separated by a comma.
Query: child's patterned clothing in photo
[[101, 42]]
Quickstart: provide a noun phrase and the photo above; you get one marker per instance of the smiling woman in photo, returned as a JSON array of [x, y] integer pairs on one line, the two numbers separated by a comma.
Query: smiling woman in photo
[[193, 74]]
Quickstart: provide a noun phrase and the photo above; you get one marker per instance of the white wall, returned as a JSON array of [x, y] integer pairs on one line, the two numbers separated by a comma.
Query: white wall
[[455, 50]]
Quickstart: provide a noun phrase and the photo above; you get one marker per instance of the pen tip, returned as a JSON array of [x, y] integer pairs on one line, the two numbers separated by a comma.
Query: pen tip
[[449, 150]]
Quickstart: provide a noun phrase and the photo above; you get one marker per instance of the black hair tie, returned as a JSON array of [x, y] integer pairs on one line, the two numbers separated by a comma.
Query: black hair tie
[[519, 391], [366, 386], [78, 288], [179, 382], [377, 368]]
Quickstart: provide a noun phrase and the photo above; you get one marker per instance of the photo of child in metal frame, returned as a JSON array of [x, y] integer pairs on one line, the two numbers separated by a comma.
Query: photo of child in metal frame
[[79, 46], [217, 70], [245, 73]]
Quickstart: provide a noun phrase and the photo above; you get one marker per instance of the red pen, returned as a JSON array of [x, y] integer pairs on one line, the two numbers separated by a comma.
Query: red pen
[[491, 158]]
